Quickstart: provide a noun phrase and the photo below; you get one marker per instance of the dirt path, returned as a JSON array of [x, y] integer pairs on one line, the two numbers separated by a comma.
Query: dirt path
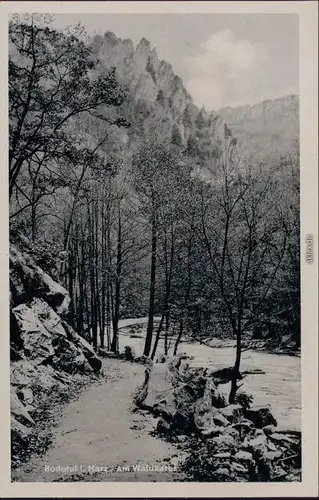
[[100, 439]]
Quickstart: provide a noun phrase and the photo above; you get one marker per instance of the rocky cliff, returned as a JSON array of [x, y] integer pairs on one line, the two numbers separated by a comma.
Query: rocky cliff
[[158, 102], [46, 353], [267, 129]]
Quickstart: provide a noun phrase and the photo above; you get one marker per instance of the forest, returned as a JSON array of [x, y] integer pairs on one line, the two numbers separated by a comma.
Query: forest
[[134, 216]]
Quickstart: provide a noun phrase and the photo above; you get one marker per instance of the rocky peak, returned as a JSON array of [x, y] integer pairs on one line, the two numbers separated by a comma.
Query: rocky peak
[[158, 100]]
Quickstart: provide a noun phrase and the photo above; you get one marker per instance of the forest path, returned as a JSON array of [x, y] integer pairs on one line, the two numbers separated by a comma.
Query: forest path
[[99, 429]]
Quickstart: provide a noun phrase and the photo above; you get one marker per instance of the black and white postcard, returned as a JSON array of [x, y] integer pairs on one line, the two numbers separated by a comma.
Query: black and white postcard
[[159, 265]]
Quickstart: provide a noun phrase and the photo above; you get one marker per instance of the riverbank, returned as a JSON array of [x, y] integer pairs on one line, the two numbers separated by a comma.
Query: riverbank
[[276, 381]]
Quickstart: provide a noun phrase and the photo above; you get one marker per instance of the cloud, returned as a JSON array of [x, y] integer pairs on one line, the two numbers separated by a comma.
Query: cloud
[[227, 71]]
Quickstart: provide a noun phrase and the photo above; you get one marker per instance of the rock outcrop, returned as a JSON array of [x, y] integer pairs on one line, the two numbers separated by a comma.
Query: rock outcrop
[[225, 442], [46, 352], [158, 102]]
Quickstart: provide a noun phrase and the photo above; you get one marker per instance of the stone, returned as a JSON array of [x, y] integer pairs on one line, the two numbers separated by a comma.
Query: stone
[[271, 446], [283, 439], [161, 358], [261, 416], [26, 395], [22, 373], [87, 368], [31, 281], [162, 427], [258, 446], [269, 429], [45, 378], [224, 442], [18, 410], [158, 387], [175, 362], [203, 417], [221, 474], [245, 457], [218, 400], [225, 454], [49, 318], [19, 432], [272, 455], [245, 428], [130, 353], [184, 418], [220, 420], [68, 357], [233, 413], [230, 429], [239, 468], [278, 474], [211, 432], [37, 344], [84, 347]]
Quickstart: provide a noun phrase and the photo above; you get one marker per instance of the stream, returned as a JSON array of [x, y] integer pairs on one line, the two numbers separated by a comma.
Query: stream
[[279, 386]]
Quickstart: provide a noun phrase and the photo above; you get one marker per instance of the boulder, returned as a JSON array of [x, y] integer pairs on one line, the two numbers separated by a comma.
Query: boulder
[[284, 439], [203, 416], [183, 419], [163, 427], [29, 281], [22, 373], [239, 468], [18, 410], [83, 346], [130, 353], [230, 429], [261, 416], [224, 443], [225, 454], [161, 358], [37, 344], [244, 457], [211, 431], [233, 413], [26, 395], [157, 390], [175, 362], [49, 318], [269, 429], [257, 446], [68, 357], [218, 400], [45, 378], [245, 429], [220, 420], [20, 434], [221, 475]]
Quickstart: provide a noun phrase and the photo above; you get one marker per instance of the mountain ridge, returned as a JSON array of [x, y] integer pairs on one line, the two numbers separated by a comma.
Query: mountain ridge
[[160, 104]]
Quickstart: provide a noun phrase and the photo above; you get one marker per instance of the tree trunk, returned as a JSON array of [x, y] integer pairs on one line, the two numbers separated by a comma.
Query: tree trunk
[[179, 336], [150, 324], [235, 374], [116, 316]]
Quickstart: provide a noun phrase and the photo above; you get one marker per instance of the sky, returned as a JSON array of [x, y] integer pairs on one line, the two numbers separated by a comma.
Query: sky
[[223, 59]]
